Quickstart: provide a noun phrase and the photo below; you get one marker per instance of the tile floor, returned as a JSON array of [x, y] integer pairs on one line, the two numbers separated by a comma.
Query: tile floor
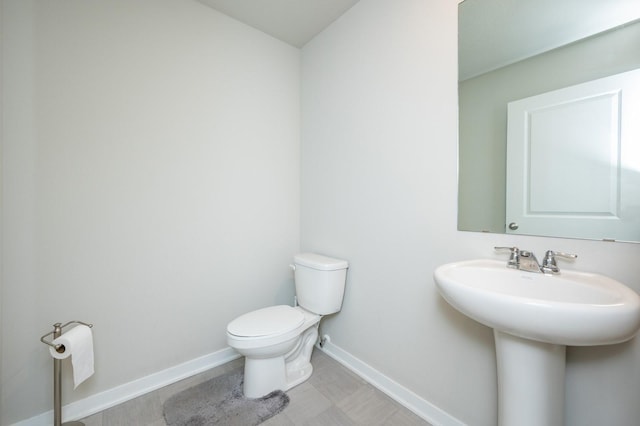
[[332, 396]]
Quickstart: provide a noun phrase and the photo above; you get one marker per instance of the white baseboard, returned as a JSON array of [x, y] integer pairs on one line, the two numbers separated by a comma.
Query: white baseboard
[[118, 395], [109, 398], [395, 390]]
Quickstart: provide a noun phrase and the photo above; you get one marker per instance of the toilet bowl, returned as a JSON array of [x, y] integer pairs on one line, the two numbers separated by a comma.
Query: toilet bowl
[[277, 341]]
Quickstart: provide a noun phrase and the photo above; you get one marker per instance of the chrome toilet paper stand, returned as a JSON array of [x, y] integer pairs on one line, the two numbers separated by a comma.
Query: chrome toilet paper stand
[[57, 373]]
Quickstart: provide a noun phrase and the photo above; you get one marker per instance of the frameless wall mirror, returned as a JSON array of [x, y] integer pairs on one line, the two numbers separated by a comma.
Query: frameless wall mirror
[[547, 142]]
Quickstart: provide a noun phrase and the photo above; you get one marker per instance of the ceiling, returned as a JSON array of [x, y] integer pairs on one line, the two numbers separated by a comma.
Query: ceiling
[[292, 21], [492, 33]]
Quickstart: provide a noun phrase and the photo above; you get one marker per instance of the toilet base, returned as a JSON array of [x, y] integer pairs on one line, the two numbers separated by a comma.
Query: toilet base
[[265, 375]]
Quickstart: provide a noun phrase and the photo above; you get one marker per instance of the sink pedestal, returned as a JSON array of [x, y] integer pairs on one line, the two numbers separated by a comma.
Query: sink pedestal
[[530, 381]]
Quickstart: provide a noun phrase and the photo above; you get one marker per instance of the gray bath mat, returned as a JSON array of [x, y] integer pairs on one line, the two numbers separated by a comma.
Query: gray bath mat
[[220, 401]]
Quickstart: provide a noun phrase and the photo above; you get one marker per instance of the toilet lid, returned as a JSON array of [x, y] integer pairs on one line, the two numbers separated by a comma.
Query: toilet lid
[[269, 321]]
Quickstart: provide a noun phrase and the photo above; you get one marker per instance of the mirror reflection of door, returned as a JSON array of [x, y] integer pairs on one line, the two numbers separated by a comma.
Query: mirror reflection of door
[[577, 143]]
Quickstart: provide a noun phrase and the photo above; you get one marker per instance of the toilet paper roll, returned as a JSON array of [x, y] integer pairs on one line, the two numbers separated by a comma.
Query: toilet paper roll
[[78, 344]]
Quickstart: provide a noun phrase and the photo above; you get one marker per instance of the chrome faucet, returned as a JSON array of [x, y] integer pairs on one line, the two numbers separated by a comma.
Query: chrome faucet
[[514, 260], [526, 260], [549, 262]]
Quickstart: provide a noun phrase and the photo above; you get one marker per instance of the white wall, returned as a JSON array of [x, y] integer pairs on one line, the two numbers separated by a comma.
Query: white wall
[[150, 184], [379, 189]]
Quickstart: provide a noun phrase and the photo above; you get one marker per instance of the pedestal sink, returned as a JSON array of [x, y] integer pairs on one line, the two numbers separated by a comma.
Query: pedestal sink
[[534, 317]]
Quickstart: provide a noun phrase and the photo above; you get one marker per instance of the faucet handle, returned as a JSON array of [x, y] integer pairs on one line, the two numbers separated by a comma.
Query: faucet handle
[[549, 261], [514, 260]]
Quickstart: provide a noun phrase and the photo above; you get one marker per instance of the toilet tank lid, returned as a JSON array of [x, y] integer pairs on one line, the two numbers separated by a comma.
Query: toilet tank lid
[[320, 262]]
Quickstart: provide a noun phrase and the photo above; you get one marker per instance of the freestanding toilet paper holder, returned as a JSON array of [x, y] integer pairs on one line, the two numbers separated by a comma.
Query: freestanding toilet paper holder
[[57, 373]]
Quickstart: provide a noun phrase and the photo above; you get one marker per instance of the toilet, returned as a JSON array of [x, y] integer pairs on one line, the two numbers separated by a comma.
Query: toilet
[[277, 341]]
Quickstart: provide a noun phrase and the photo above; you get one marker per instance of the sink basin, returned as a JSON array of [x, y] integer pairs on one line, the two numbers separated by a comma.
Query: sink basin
[[573, 308]]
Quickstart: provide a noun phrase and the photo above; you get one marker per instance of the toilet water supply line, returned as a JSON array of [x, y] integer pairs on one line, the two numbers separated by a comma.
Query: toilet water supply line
[[295, 298]]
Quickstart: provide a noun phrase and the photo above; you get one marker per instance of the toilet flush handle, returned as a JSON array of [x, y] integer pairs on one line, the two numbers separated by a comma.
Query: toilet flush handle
[[292, 266]]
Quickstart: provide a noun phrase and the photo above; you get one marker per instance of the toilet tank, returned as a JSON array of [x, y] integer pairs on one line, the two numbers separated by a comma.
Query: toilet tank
[[320, 282]]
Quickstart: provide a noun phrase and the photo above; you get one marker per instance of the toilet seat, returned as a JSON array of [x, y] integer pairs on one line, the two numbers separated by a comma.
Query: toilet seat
[[269, 327], [267, 322]]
